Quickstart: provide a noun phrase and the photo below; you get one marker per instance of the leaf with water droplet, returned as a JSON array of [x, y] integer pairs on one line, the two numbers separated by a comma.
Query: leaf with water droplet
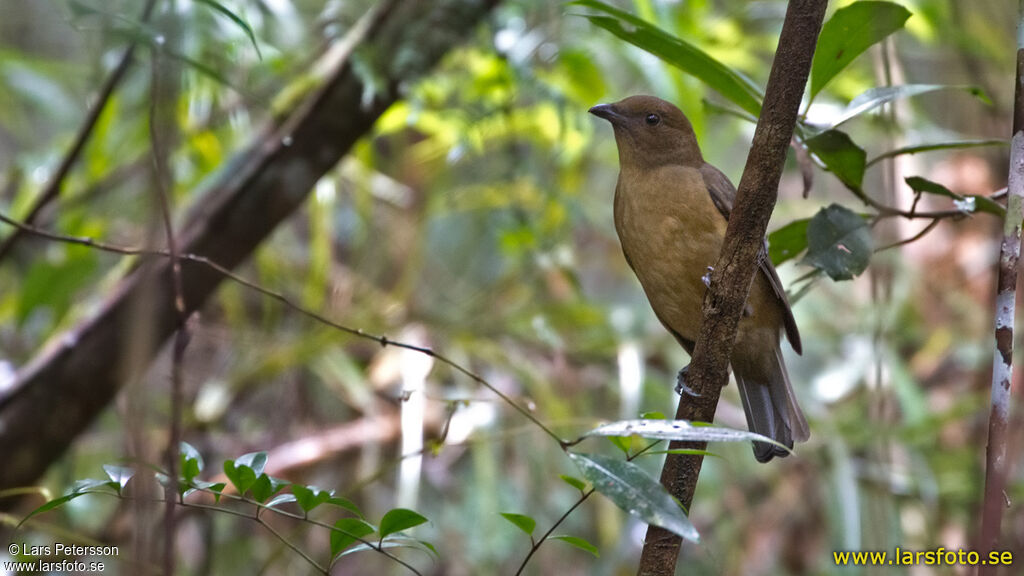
[[633, 490]]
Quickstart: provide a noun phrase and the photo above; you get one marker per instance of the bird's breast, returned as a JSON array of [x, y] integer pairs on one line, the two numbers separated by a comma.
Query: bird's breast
[[670, 232]]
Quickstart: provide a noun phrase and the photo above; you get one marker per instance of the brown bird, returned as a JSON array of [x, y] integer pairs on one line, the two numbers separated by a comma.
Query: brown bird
[[671, 209]]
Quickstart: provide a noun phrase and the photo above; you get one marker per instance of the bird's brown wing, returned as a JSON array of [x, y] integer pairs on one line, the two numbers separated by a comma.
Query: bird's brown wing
[[723, 194]]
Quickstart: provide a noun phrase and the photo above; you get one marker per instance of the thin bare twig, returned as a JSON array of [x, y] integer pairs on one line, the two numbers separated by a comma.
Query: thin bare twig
[[52, 189], [931, 226], [358, 332], [161, 123], [536, 545]]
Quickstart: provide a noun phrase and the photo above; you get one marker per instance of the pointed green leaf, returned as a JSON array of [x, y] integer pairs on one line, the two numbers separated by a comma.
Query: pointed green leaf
[[255, 460], [390, 543], [241, 476], [621, 442], [523, 522], [309, 497], [840, 155], [579, 543], [788, 242], [346, 504], [218, 7], [675, 430], [574, 482], [51, 505], [848, 33], [936, 146], [925, 185], [631, 489], [266, 486], [967, 204], [399, 519], [281, 499], [120, 475], [838, 242], [348, 531], [875, 97], [191, 462], [677, 52]]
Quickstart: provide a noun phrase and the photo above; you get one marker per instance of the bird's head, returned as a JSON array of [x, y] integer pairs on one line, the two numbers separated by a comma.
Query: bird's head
[[650, 131]]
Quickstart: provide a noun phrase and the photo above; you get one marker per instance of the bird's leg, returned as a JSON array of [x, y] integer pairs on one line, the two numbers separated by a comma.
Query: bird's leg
[[681, 383], [706, 278]]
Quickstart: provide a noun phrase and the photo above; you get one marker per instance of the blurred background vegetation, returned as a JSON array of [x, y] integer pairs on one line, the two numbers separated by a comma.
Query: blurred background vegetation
[[477, 220]]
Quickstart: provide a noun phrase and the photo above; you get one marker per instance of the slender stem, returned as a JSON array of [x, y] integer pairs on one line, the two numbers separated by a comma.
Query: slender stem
[[931, 226], [536, 545], [294, 548], [161, 123], [358, 332]]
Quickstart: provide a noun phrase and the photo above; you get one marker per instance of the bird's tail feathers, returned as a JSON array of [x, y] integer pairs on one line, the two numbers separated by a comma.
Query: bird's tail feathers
[[772, 410]]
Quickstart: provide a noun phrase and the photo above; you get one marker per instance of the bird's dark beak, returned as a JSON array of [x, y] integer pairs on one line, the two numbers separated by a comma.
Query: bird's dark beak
[[608, 112]]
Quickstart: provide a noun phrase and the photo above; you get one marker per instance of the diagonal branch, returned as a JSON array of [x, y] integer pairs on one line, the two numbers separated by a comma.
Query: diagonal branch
[[734, 272], [256, 190]]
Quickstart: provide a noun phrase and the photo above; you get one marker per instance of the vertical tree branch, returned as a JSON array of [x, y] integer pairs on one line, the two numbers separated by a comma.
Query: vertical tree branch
[[1006, 294], [734, 272]]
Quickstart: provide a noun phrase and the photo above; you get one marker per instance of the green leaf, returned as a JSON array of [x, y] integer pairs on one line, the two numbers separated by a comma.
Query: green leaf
[[218, 490], [281, 499], [399, 519], [266, 486], [579, 543], [937, 146], [677, 52], [621, 442], [346, 504], [56, 502], [218, 7], [788, 242], [875, 97], [675, 430], [430, 547], [840, 155], [348, 531], [838, 242], [920, 184], [631, 489], [574, 482], [967, 204], [255, 460], [119, 475], [241, 477], [80, 488], [848, 33], [523, 522], [191, 462], [309, 497], [390, 543], [652, 416]]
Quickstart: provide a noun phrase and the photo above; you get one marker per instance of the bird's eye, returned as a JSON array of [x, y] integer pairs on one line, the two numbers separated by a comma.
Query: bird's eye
[[652, 119]]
